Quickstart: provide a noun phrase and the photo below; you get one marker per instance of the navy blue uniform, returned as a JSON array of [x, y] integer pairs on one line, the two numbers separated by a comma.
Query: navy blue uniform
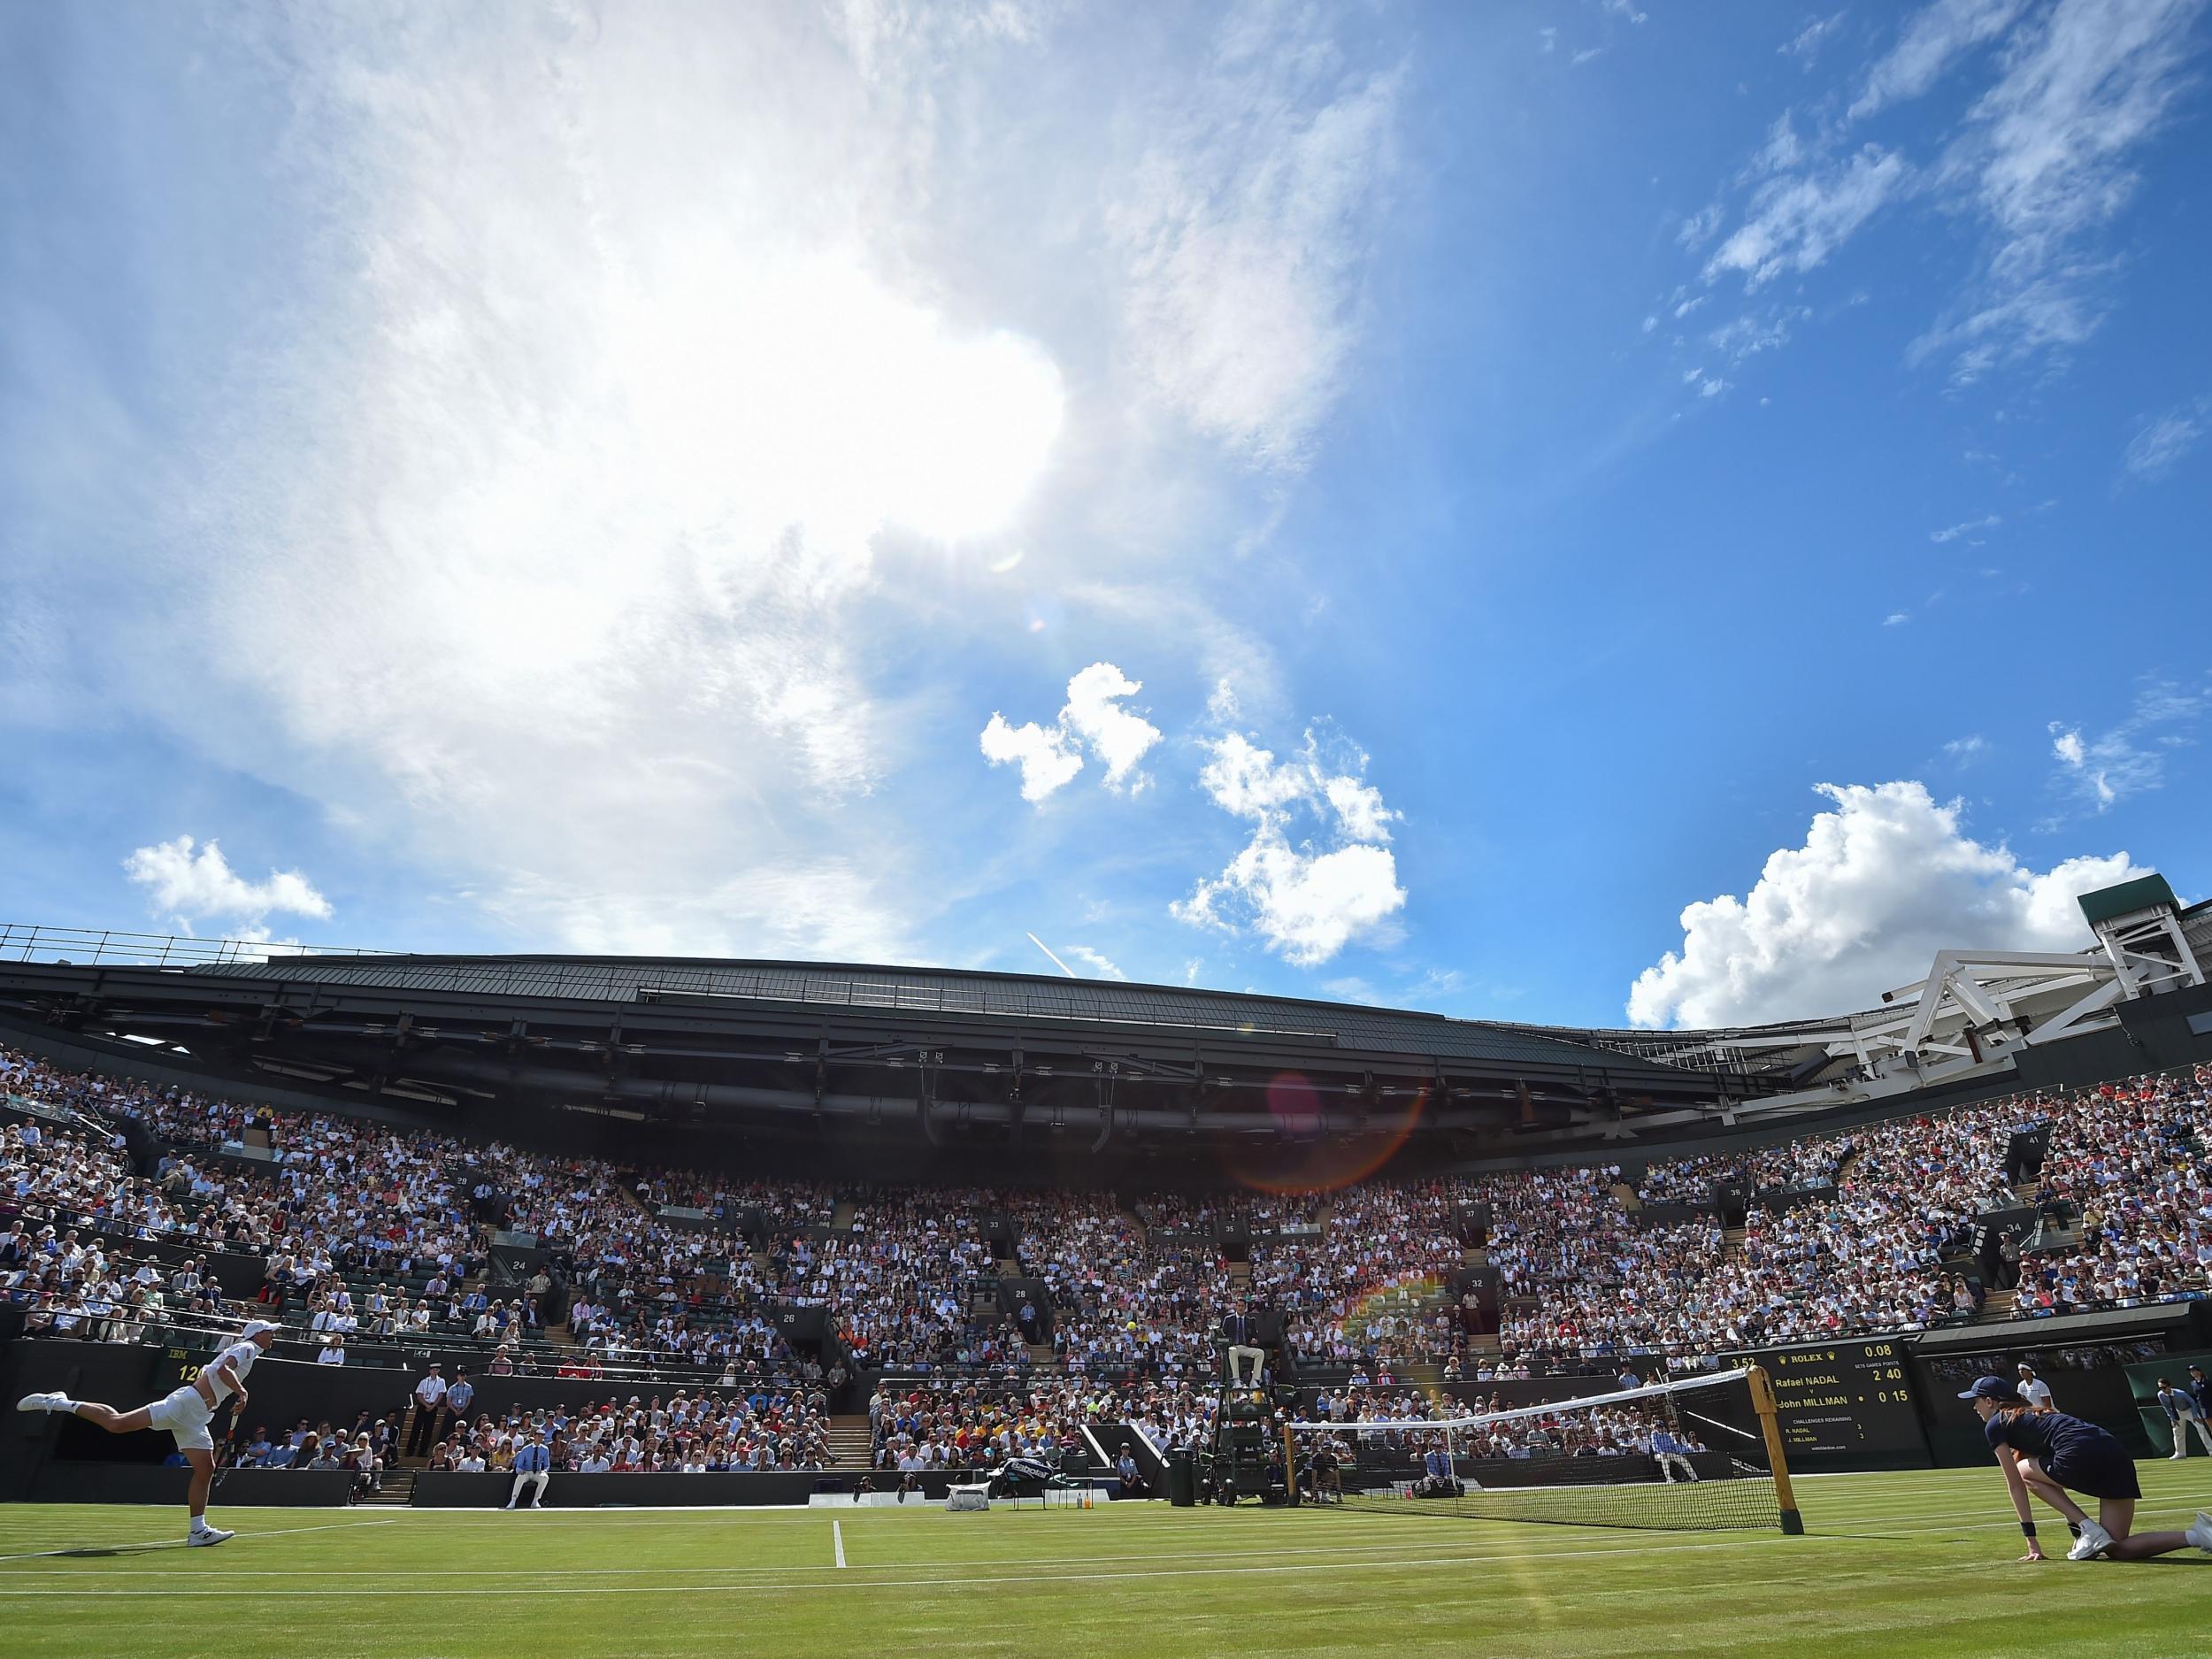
[[2077, 1454]]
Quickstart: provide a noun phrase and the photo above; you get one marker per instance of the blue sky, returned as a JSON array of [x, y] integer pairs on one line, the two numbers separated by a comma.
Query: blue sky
[[1571, 512]]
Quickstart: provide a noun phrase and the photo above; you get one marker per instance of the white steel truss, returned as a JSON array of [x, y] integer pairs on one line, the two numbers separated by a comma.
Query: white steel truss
[[1976, 1010]]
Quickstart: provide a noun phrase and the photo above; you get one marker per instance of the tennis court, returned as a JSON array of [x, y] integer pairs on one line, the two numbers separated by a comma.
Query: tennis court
[[1917, 1563]]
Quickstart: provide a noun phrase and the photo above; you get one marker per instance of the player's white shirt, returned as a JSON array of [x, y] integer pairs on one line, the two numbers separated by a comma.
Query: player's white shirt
[[2035, 1392], [240, 1357]]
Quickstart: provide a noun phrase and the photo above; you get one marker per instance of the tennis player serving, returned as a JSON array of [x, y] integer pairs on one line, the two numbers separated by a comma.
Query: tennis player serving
[[2047, 1452], [186, 1412]]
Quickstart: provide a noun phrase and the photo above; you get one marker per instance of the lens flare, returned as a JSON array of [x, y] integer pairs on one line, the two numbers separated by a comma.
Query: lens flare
[[1314, 1150]]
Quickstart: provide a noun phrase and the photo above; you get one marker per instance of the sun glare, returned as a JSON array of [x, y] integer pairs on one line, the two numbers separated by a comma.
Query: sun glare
[[854, 407]]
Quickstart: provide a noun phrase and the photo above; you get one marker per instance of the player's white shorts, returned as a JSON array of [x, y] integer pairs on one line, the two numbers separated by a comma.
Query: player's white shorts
[[186, 1416]]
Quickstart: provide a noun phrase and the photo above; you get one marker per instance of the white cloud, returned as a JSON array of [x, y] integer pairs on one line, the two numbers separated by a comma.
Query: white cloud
[[1096, 963], [1308, 899], [1783, 150], [1747, 336], [1795, 221], [1092, 717], [2104, 768], [2047, 156], [2044, 158], [1243, 778], [578, 525], [1932, 41], [1244, 227], [1548, 40], [187, 885], [1897, 618], [1952, 533], [1626, 9], [1305, 905], [1963, 749], [539, 524], [1047, 754], [1884, 879], [1806, 44], [2161, 442], [1698, 229], [1360, 812], [1431, 987], [1119, 738], [827, 906]]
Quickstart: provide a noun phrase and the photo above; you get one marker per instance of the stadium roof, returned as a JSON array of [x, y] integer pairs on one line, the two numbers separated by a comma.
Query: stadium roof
[[743, 1042], [683, 1037], [945, 991]]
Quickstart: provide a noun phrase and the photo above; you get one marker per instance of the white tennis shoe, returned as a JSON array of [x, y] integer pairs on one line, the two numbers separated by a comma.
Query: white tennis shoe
[[2200, 1532], [42, 1402], [2093, 1541], [201, 1537]]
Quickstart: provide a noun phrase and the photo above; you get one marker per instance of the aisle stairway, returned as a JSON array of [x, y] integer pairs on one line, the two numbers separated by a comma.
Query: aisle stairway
[[396, 1491], [848, 1442]]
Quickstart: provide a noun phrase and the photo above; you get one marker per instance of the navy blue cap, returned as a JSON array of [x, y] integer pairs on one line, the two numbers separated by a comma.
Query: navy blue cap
[[1992, 1388]]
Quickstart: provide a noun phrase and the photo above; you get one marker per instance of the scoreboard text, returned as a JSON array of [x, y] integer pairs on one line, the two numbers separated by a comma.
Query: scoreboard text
[[1844, 1401]]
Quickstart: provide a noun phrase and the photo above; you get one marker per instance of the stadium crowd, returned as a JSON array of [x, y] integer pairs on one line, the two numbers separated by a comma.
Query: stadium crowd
[[698, 1432], [2129, 1169], [374, 1232]]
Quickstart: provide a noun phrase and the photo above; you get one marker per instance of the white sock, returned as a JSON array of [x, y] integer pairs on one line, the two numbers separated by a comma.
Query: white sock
[[63, 1403]]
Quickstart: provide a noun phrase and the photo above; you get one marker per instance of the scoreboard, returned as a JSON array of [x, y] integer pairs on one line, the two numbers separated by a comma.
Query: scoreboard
[[1846, 1403]]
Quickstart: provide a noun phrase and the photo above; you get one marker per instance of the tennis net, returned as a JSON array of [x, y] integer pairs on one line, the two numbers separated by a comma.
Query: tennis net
[[1694, 1456]]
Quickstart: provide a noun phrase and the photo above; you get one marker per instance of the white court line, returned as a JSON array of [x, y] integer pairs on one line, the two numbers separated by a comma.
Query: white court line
[[659, 1587], [896, 1584], [1398, 1548], [935, 1580], [178, 1543], [1382, 1539]]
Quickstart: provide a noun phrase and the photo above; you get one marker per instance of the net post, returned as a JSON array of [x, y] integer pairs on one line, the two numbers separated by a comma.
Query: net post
[[1771, 1429], [1290, 1464]]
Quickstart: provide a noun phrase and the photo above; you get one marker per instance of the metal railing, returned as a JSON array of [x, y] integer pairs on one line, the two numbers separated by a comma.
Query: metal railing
[[24, 942]]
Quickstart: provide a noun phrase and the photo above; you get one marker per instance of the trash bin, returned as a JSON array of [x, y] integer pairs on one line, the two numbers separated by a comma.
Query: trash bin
[[1182, 1481]]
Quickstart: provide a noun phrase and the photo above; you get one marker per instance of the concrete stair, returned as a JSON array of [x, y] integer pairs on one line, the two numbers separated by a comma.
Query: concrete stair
[[396, 1491], [849, 1441]]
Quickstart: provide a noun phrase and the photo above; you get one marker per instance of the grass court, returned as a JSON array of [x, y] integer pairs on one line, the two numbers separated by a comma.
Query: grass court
[[1919, 1564]]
